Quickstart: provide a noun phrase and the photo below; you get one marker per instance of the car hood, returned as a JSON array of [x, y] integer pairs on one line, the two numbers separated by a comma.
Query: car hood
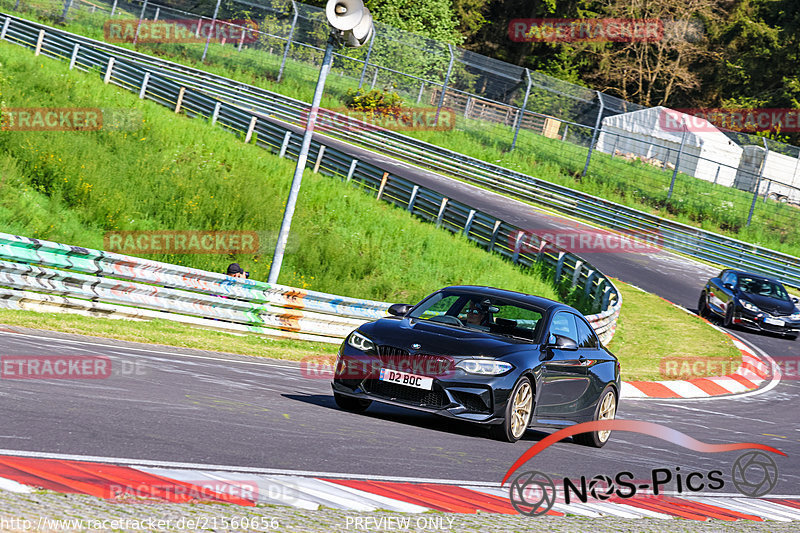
[[439, 339], [770, 305]]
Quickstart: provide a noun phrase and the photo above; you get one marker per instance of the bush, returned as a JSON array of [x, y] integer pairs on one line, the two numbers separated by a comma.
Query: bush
[[374, 102]]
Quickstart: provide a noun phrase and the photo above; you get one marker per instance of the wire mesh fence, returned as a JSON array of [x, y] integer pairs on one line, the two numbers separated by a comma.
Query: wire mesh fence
[[717, 179]]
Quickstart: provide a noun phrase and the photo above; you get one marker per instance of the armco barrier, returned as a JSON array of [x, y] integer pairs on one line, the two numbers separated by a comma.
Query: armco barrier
[[47, 276], [209, 90], [488, 231]]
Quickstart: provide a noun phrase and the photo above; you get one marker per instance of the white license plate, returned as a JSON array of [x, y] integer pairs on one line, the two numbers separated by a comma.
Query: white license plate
[[404, 378], [774, 321]]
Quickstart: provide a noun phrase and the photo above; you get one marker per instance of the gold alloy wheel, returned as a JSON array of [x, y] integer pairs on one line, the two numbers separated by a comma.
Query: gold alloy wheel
[[608, 410], [521, 415]]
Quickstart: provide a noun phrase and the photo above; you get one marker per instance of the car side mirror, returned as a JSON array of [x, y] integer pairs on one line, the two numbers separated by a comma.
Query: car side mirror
[[795, 300], [561, 342], [400, 309]]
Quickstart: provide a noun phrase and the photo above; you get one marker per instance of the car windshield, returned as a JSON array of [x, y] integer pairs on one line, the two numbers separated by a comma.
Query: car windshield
[[763, 287], [481, 313]]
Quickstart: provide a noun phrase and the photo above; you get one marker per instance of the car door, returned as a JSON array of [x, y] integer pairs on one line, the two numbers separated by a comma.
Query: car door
[[564, 374], [720, 292]]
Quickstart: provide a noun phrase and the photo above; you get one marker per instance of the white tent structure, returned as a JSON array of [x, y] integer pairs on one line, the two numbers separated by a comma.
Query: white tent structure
[[655, 134]]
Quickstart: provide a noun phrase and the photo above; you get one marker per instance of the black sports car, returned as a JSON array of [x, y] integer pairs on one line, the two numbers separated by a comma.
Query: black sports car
[[750, 300], [485, 355]]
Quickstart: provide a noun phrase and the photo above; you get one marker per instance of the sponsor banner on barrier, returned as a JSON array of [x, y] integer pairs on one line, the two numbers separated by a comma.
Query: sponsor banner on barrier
[[179, 31], [181, 242], [735, 119], [585, 240], [550, 30], [413, 119], [69, 119]]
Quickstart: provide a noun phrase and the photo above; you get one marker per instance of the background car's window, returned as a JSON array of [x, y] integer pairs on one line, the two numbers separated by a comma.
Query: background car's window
[[586, 335], [563, 323]]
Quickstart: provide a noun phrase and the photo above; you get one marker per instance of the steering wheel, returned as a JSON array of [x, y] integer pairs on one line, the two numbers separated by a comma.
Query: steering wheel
[[447, 319]]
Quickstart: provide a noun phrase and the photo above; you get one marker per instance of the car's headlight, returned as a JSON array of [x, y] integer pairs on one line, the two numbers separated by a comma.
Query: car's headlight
[[795, 315], [484, 366], [360, 342], [750, 307]]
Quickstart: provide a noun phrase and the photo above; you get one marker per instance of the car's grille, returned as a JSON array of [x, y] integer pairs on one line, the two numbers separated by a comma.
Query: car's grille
[[392, 391], [422, 364]]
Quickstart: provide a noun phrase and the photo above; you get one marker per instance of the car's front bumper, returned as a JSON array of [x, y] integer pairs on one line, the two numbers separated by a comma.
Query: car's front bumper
[[758, 321]]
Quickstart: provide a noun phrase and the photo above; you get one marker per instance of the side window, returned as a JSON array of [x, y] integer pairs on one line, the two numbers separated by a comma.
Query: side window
[[586, 335], [563, 323], [441, 307], [730, 277]]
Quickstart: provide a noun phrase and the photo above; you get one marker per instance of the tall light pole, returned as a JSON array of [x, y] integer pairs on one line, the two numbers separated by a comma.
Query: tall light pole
[[351, 26]]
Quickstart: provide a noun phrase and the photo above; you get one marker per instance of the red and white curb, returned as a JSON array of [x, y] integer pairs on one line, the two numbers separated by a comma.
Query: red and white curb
[[184, 483], [753, 373]]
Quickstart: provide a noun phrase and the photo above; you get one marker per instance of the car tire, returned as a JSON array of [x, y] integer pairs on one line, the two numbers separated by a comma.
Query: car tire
[[348, 403], [702, 306], [728, 320], [606, 410], [792, 337], [519, 410]]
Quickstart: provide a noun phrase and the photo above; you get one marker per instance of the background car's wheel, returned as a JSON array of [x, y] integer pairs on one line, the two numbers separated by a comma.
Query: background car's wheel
[[728, 321], [606, 410], [348, 403], [519, 410], [702, 307]]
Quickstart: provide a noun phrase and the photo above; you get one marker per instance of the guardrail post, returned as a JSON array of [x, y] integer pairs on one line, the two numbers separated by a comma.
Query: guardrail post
[[382, 185], [39, 42], [589, 280], [522, 110], [109, 70], [320, 155], [468, 223], [215, 114], [559, 266], [288, 41], [285, 144], [441, 212], [210, 32], [366, 60], [542, 247], [138, 24], [517, 246], [249, 135], [74, 57], [594, 135], [5, 28], [411, 200], [444, 85], [677, 160], [113, 8], [241, 40], [67, 5], [145, 81], [495, 230], [576, 272], [758, 181], [181, 92]]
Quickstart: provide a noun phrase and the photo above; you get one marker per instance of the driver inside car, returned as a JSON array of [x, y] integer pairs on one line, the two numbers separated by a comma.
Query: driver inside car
[[478, 315]]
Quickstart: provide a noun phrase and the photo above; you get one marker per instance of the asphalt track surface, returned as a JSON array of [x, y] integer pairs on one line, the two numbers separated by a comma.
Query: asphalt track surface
[[165, 404]]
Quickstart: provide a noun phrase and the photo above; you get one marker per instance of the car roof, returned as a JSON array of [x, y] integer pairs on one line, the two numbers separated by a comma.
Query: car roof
[[514, 296], [751, 274]]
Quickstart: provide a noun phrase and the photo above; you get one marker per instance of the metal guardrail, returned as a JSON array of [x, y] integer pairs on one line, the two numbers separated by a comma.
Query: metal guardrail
[[682, 238], [494, 234]]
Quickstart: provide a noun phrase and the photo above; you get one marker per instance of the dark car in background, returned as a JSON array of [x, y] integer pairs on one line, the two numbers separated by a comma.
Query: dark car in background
[[488, 356], [750, 300]]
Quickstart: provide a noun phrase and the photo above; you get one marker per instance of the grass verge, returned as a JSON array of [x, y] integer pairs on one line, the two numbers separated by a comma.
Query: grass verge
[[695, 202]]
